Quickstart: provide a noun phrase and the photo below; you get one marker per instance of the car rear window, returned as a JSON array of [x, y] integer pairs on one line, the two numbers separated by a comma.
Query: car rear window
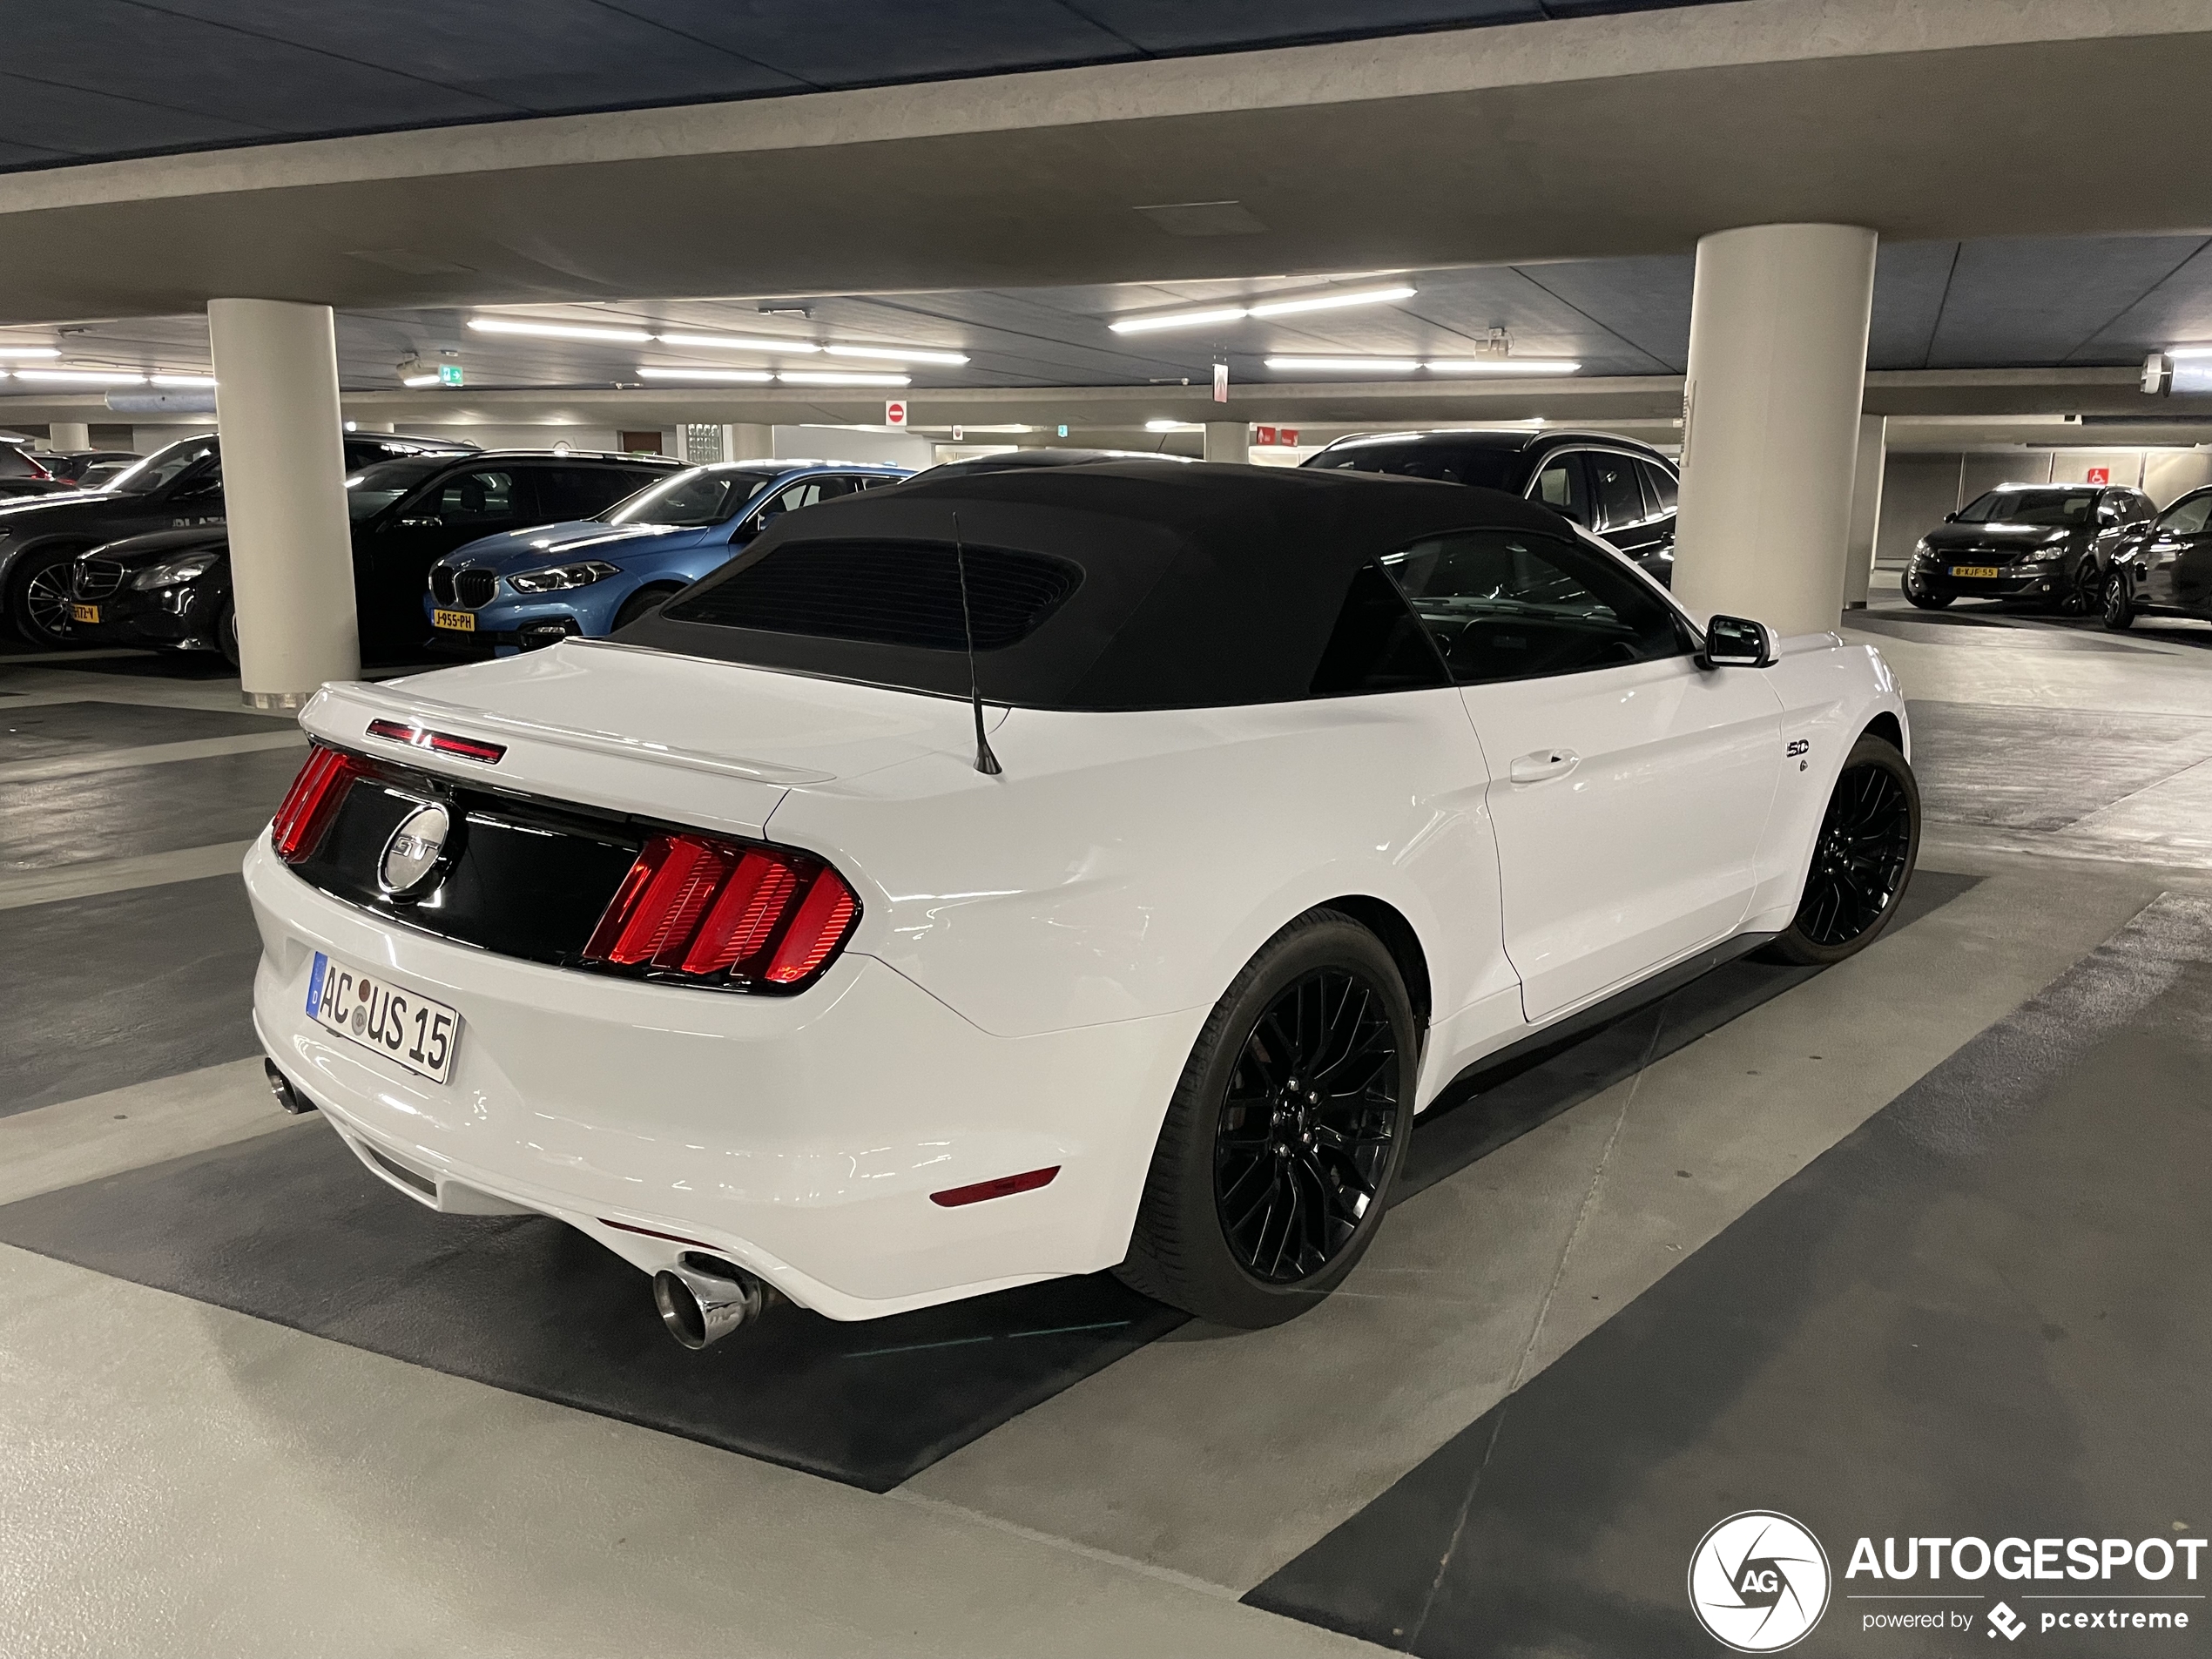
[[889, 593]]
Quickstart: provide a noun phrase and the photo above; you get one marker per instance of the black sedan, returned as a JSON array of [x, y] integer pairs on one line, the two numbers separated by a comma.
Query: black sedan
[[2165, 567], [2048, 545], [1615, 487], [179, 486], [173, 588], [21, 474]]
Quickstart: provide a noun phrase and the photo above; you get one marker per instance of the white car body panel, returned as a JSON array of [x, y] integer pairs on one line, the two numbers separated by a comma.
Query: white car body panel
[[1036, 951]]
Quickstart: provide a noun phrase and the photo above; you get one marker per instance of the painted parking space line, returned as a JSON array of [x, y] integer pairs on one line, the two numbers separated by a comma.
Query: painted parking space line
[[146, 754], [119, 875]]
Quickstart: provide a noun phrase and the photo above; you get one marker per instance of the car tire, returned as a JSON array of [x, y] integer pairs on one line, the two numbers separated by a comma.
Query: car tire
[[644, 602], [2119, 608], [1265, 1190], [1862, 859], [2085, 594], [38, 598], [226, 632]]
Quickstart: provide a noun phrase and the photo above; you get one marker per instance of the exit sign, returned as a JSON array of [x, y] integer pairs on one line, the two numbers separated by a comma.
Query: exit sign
[[448, 374]]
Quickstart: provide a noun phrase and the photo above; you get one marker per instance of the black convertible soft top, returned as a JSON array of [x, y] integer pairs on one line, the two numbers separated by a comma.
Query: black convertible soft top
[[1112, 585]]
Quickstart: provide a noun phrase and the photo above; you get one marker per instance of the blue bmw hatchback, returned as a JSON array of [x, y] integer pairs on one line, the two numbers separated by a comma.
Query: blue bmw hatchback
[[535, 587]]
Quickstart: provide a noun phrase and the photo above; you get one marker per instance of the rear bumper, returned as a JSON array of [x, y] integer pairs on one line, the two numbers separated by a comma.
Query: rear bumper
[[799, 1137]]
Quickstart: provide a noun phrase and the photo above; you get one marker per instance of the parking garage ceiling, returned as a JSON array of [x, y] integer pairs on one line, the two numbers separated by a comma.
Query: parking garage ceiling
[[99, 79]]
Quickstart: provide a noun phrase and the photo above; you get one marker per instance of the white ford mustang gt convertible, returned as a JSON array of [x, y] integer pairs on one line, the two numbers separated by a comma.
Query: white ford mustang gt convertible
[[1031, 873]]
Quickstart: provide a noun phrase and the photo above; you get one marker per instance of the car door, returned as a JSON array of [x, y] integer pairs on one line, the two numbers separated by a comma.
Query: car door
[[1630, 787], [392, 561], [1561, 485], [1624, 518], [2180, 530]]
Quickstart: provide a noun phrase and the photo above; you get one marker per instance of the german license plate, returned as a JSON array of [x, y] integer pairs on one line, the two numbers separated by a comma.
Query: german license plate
[[404, 1025], [1974, 569], [84, 613], [461, 621]]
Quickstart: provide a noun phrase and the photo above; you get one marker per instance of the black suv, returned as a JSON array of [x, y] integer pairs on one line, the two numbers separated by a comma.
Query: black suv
[[179, 486], [1612, 487], [173, 588], [2042, 544]]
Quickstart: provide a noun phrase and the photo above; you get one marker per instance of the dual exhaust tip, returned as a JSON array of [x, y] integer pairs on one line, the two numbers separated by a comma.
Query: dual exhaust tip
[[703, 1298]]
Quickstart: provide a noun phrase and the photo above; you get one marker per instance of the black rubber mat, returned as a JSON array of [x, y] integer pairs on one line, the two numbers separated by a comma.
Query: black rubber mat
[[121, 988], [1985, 1314], [51, 822], [46, 730], [1482, 1112], [291, 1228]]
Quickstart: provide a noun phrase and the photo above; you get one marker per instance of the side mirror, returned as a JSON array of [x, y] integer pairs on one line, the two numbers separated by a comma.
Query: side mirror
[[1951, 518], [1736, 642]]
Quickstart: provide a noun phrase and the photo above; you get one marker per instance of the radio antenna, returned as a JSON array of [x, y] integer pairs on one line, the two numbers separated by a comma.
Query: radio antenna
[[986, 762]]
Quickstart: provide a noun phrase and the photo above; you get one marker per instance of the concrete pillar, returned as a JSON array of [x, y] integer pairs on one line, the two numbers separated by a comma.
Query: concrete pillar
[[68, 434], [1227, 440], [748, 442], [1866, 508], [1770, 412], [284, 492]]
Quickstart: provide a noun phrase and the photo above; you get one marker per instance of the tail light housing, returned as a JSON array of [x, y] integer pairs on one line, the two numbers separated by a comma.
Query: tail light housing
[[312, 801], [698, 907]]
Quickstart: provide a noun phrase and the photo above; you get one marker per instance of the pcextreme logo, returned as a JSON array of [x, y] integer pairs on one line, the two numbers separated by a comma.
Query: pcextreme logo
[[1759, 1582]]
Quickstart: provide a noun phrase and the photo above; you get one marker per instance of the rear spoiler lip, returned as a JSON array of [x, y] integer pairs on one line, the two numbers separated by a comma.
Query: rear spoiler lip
[[322, 717]]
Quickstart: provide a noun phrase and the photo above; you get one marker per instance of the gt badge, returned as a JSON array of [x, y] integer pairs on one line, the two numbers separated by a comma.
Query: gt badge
[[410, 859]]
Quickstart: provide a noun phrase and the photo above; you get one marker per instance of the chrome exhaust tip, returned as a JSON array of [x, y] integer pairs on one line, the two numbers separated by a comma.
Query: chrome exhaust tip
[[701, 1300], [287, 1098]]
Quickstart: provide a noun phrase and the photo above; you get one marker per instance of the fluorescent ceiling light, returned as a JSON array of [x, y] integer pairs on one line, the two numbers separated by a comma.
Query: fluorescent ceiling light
[[431, 379], [727, 377], [739, 342], [558, 330], [183, 380], [1377, 365], [29, 351], [1174, 426], [897, 353], [2180, 352], [1328, 301], [823, 377], [81, 376], [1502, 365]]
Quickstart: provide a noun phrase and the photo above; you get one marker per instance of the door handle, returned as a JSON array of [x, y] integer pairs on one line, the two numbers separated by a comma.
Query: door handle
[[1543, 763]]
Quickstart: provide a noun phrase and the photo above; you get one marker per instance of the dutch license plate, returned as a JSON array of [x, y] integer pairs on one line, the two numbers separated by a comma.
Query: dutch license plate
[[84, 613], [461, 621], [1974, 569], [401, 1025]]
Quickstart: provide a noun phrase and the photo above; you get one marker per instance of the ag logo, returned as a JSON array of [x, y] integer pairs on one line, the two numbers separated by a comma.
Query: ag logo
[[1759, 1582]]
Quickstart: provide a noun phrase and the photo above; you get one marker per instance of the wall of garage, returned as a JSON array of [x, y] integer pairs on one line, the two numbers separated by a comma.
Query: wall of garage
[[1920, 487]]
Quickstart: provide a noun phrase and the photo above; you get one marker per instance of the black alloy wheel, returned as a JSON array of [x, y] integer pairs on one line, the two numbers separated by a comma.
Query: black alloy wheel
[[2085, 594], [2119, 605], [226, 632], [1862, 858], [1305, 1137], [1276, 1155], [42, 600]]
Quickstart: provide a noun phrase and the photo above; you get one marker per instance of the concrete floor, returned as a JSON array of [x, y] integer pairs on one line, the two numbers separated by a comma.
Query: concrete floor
[[177, 1476]]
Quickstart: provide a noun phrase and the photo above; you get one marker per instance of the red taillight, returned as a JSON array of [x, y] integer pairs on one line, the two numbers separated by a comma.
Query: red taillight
[[312, 802], [702, 907], [442, 743]]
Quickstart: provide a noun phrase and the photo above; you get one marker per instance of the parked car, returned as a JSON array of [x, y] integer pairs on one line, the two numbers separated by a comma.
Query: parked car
[[2049, 545], [173, 588], [178, 487], [1103, 885], [22, 475], [1016, 460], [2163, 568], [1615, 487], [525, 588], [89, 468]]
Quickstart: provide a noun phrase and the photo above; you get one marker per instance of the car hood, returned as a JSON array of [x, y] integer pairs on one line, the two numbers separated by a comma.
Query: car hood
[[652, 732], [2008, 538], [550, 544], [22, 513], [134, 551]]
